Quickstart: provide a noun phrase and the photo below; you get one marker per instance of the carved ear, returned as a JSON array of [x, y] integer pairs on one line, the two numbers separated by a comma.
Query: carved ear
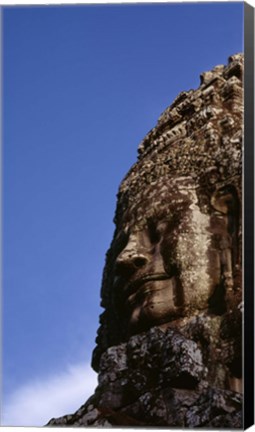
[[225, 200]]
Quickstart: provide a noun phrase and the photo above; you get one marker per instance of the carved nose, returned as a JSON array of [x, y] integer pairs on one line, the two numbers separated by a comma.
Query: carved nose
[[127, 264]]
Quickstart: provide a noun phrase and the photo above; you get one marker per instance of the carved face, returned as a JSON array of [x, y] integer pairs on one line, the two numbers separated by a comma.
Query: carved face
[[170, 265]]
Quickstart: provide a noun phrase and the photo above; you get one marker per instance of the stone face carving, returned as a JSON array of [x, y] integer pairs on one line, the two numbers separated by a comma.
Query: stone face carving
[[169, 348], [171, 266]]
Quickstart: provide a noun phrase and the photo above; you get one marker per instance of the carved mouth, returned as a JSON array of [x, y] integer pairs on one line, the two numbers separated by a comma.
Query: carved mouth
[[134, 286]]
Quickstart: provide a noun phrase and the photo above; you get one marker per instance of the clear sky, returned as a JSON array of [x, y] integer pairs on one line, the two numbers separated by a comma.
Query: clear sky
[[82, 86]]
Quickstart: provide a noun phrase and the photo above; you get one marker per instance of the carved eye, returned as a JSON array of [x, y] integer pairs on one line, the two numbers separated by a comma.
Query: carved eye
[[121, 242], [153, 232]]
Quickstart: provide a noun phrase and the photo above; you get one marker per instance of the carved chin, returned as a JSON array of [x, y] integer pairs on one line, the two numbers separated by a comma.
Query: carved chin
[[154, 304]]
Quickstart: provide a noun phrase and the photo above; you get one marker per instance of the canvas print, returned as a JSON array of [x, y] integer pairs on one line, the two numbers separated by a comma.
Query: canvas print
[[132, 113]]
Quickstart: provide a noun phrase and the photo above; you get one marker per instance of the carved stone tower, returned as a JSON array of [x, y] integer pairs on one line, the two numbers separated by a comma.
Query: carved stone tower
[[169, 345]]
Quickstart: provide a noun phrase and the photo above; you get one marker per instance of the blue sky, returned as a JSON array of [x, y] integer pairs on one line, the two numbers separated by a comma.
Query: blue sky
[[82, 85]]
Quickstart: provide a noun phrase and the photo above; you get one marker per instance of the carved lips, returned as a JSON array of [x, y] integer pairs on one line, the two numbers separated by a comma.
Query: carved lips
[[137, 288]]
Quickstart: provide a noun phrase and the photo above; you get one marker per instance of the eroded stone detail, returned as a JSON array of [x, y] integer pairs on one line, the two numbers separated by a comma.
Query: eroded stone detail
[[169, 344]]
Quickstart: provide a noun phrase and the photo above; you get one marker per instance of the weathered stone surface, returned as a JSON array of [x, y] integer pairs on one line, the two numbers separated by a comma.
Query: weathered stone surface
[[156, 378], [169, 346]]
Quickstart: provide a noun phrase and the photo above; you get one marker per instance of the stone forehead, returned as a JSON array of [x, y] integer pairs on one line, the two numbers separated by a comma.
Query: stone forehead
[[160, 187], [160, 199]]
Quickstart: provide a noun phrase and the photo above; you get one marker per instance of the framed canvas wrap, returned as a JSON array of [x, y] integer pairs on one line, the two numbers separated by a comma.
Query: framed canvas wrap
[[154, 103]]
